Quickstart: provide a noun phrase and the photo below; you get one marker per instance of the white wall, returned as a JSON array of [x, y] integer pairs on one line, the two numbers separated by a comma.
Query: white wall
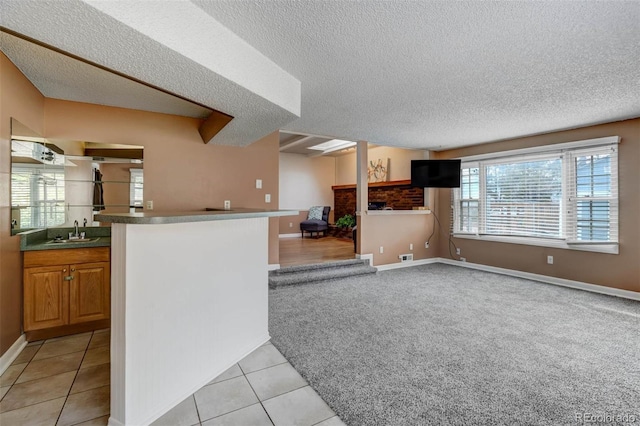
[[189, 300], [306, 182], [399, 165]]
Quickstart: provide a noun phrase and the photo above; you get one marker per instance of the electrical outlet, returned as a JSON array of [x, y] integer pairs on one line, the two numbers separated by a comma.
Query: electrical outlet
[[258, 183], [227, 204], [458, 251], [410, 246], [550, 260], [426, 244], [290, 224], [267, 198], [381, 249], [463, 259], [406, 257], [149, 205]]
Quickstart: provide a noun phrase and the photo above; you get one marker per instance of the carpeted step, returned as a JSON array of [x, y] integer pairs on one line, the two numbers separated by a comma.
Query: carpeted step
[[320, 266], [308, 275]]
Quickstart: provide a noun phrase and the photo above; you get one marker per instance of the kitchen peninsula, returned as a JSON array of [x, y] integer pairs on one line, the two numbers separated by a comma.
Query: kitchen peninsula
[[188, 299]]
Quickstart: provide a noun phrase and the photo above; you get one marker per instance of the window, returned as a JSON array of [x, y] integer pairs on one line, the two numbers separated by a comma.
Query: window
[[136, 183], [560, 196], [37, 196]]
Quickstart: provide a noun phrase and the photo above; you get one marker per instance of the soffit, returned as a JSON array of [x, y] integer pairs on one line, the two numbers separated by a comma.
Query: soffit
[[61, 77], [175, 47]]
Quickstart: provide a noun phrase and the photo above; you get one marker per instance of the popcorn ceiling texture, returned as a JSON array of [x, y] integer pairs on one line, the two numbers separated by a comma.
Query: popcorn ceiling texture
[[423, 74], [414, 74], [83, 30], [62, 77]]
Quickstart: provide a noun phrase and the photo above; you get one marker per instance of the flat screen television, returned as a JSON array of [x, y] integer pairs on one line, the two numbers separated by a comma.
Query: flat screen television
[[435, 173]]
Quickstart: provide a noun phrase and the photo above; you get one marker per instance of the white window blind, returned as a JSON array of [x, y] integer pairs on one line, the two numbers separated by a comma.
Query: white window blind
[[592, 196], [568, 195], [523, 197], [38, 194], [136, 183]]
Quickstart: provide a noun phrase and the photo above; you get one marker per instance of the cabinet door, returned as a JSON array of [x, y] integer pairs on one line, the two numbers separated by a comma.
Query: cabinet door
[[90, 292], [46, 297]]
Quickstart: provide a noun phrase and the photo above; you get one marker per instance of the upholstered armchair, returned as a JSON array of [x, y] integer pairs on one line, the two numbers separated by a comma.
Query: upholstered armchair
[[317, 221]]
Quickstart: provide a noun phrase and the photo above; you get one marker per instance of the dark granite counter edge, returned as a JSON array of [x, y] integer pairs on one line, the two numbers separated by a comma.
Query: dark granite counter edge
[[102, 242], [193, 216], [38, 239]]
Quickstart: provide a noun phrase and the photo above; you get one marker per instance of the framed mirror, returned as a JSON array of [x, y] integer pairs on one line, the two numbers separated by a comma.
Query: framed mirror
[[56, 182]]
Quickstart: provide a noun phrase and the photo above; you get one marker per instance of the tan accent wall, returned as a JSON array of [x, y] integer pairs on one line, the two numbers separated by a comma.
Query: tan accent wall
[[180, 172], [399, 168], [394, 233], [618, 271], [21, 100]]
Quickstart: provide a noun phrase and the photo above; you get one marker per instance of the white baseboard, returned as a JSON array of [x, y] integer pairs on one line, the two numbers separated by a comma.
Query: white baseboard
[[296, 235], [273, 266], [12, 353], [368, 257], [408, 264], [114, 422], [594, 288]]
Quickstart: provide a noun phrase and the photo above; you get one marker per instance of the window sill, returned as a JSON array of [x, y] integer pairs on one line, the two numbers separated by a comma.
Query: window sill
[[541, 242]]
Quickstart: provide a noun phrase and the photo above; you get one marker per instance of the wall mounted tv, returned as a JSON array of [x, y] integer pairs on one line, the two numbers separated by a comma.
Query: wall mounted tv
[[435, 173]]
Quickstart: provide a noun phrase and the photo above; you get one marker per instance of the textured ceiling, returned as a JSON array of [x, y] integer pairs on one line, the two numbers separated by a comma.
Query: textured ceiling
[[176, 47], [413, 74], [443, 74], [61, 77]]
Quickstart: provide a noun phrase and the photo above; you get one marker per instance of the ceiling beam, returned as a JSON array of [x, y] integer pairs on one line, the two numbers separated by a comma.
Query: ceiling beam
[[297, 142]]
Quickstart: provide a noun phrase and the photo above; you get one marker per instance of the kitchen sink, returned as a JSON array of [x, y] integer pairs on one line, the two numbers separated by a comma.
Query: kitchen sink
[[74, 241]]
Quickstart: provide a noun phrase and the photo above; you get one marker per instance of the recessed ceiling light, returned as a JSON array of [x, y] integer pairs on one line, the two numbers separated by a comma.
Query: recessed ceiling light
[[332, 145]]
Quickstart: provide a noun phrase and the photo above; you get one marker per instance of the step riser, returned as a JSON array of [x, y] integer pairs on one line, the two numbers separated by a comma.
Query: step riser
[[320, 266], [302, 277]]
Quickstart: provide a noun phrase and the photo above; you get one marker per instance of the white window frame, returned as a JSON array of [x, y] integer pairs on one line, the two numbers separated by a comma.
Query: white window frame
[[134, 174], [44, 208], [567, 151]]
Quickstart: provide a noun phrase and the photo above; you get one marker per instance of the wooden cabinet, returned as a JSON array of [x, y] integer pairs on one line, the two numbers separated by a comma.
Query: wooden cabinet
[[89, 292], [66, 287], [46, 297]]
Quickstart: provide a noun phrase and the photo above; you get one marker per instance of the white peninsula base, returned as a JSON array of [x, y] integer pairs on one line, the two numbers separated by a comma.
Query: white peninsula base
[[188, 301]]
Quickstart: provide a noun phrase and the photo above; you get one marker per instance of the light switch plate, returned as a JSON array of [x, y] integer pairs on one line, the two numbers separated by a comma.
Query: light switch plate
[[258, 183], [149, 205], [267, 198]]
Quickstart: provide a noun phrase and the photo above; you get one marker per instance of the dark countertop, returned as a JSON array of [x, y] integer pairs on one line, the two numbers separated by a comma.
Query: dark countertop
[[39, 239], [151, 217]]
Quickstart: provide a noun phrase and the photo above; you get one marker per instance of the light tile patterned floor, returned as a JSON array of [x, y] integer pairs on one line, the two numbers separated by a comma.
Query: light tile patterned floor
[[65, 381]]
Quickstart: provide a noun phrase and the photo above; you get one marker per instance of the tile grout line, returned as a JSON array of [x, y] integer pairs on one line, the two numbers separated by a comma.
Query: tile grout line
[[74, 378], [193, 395], [261, 369], [254, 392]]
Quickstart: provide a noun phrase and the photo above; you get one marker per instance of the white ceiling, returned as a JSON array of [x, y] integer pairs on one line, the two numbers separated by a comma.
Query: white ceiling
[[415, 74], [61, 77]]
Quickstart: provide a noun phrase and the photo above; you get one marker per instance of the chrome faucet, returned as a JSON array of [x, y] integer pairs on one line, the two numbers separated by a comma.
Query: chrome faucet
[[85, 223], [75, 226]]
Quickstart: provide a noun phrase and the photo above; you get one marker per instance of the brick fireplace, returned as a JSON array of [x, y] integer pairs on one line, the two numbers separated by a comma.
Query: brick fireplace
[[399, 195]]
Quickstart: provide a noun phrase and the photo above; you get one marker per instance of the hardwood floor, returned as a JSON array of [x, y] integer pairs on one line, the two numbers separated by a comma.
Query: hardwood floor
[[304, 251]]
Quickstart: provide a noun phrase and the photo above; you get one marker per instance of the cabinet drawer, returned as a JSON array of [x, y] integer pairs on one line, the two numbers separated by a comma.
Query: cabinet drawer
[[66, 256]]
